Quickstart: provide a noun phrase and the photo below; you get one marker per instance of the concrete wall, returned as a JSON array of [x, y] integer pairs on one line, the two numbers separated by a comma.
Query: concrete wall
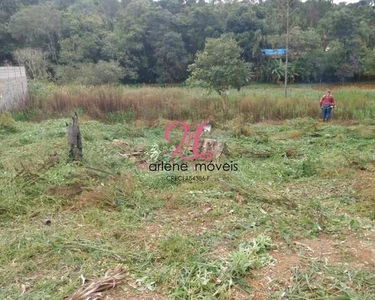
[[13, 87]]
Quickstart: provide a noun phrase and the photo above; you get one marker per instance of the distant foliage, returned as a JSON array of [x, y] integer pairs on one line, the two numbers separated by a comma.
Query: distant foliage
[[156, 41], [90, 74], [39, 89], [37, 26]]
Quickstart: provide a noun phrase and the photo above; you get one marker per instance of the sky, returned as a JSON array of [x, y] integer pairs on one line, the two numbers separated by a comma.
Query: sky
[[347, 1], [339, 1]]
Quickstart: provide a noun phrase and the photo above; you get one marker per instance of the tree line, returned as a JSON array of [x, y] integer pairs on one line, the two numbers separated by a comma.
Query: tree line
[[145, 41]]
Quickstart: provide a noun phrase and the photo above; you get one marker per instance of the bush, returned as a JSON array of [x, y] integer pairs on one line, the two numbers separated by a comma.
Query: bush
[[102, 72], [7, 123]]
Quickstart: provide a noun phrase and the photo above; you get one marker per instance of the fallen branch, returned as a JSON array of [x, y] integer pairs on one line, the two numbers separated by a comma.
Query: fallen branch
[[127, 155], [95, 289], [97, 170]]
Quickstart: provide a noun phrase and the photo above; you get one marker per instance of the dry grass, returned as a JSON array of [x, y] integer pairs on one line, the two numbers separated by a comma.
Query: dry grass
[[95, 289], [107, 102], [151, 103]]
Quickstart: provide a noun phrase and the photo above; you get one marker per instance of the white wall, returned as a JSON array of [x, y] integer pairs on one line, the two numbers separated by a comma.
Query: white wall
[[13, 87]]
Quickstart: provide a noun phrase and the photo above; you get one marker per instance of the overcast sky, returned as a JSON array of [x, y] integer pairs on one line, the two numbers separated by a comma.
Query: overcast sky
[[347, 1]]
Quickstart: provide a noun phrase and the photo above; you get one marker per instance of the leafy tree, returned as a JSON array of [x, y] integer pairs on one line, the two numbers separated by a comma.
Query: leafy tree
[[247, 23], [311, 65], [128, 43], [37, 26], [84, 28], [220, 66], [340, 62], [174, 6], [171, 58], [312, 11], [340, 25], [199, 22], [34, 61], [7, 45], [77, 48], [367, 63], [274, 71], [146, 44], [90, 74], [299, 41]]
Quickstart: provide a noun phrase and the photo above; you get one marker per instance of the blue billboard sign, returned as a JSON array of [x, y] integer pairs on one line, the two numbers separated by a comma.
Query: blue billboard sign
[[273, 52]]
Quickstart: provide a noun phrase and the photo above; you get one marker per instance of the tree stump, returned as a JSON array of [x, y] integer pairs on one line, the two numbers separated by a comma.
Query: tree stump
[[217, 148], [74, 139]]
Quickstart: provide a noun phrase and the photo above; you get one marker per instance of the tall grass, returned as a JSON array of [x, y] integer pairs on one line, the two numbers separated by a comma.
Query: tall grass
[[177, 103]]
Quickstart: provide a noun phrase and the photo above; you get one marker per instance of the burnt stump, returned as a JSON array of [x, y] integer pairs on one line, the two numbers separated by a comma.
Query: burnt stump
[[73, 133]]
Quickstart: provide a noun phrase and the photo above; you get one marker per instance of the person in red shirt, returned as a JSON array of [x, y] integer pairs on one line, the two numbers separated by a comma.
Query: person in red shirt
[[327, 103]]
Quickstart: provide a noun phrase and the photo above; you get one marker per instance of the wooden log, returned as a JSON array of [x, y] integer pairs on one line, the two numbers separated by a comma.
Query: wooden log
[[74, 140]]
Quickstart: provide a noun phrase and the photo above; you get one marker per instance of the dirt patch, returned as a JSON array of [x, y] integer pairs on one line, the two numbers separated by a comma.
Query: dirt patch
[[92, 198], [65, 191], [126, 292], [275, 277], [237, 294], [221, 251], [365, 183], [310, 190], [354, 251], [364, 187], [179, 219], [364, 131], [292, 153], [288, 135], [361, 250], [319, 248]]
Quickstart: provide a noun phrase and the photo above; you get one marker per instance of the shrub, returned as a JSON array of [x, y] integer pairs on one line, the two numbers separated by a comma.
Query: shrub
[[7, 123], [102, 72]]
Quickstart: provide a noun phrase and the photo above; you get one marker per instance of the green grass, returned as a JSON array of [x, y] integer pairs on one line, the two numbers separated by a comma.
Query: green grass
[[301, 182]]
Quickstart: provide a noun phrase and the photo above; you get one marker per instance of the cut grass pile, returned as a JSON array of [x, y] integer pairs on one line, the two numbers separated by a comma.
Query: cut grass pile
[[296, 221]]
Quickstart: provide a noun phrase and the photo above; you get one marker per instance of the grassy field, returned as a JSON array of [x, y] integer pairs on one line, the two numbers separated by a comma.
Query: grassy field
[[253, 104], [296, 221]]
